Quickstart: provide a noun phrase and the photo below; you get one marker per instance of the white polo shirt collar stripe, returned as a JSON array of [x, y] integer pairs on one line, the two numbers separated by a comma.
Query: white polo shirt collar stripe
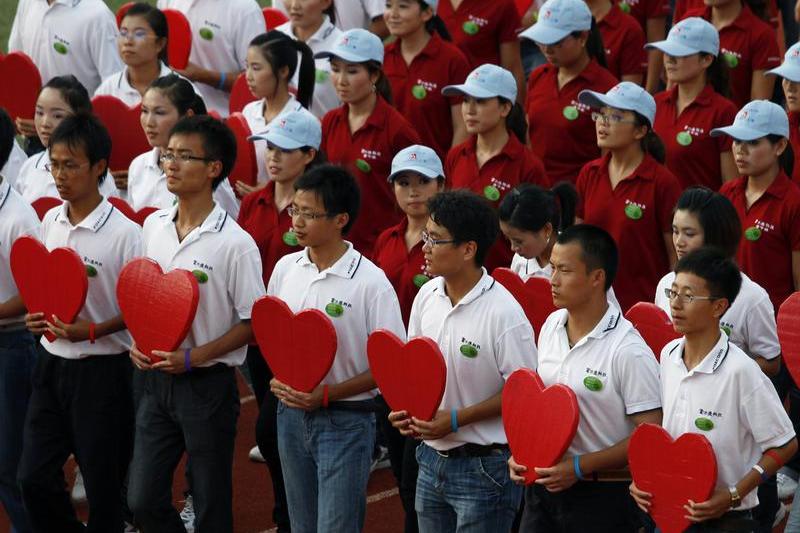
[[710, 363], [5, 187], [344, 267], [485, 284], [93, 222]]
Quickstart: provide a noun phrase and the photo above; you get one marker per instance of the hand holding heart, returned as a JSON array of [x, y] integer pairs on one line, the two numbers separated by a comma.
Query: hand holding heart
[[557, 478], [36, 323], [439, 426], [714, 507], [78, 331], [307, 401], [168, 362]]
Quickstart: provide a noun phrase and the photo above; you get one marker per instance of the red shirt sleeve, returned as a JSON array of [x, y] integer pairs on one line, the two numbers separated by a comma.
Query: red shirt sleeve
[[580, 186], [765, 48], [326, 131], [634, 56], [792, 222], [509, 22], [533, 171]]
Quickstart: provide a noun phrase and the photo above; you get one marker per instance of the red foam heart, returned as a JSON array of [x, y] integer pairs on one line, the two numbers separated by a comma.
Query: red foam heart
[[540, 422], [180, 39], [789, 334], [126, 209], [53, 283], [123, 9], [44, 204], [653, 324], [246, 168], [299, 348], [158, 308], [21, 87], [240, 95], [273, 17], [127, 136], [674, 472], [534, 295], [411, 376]]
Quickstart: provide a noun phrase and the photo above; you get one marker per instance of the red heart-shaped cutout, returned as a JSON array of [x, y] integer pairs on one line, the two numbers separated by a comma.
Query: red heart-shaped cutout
[[540, 422], [299, 348], [20, 89], [674, 472], [127, 137], [789, 334], [273, 17], [240, 95], [53, 283], [126, 209], [411, 376], [179, 45], [122, 10], [44, 204], [653, 324], [158, 308], [245, 169], [534, 295]]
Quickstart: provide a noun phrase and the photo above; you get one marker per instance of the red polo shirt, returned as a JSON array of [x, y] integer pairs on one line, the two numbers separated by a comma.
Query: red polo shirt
[[642, 10], [771, 233], [624, 42], [259, 217], [479, 27], [682, 6], [417, 88], [637, 213], [368, 154], [747, 44], [404, 268], [692, 153], [561, 129], [794, 139]]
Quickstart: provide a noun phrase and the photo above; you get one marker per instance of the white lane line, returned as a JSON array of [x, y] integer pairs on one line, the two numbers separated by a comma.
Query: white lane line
[[247, 399]]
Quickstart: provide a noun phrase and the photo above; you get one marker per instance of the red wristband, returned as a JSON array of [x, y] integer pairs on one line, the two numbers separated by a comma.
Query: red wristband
[[325, 396], [91, 332], [772, 454]]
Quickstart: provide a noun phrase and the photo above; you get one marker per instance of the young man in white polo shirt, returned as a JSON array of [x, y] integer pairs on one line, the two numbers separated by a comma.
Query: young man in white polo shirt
[[326, 437], [711, 387], [484, 336], [82, 401], [590, 347], [191, 401]]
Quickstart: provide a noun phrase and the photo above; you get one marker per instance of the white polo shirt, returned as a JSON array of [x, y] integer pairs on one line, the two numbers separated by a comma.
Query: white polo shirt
[[728, 400], [221, 33], [350, 13], [105, 240], [17, 218], [226, 262], [34, 181], [16, 159], [483, 338], [76, 37], [749, 322], [356, 296], [254, 114], [118, 86], [324, 38], [611, 370]]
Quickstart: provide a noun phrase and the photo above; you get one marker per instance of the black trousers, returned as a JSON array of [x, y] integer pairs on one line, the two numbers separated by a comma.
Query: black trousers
[[82, 407], [196, 413]]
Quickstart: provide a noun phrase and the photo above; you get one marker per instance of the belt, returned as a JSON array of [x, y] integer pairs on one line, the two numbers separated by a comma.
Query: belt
[[12, 328], [361, 406], [609, 475], [205, 370], [473, 450], [734, 522]]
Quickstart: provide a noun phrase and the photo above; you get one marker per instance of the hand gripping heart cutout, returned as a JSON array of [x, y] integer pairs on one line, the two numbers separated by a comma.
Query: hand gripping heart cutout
[[674, 472], [534, 295], [411, 376], [128, 138], [20, 87], [540, 422], [53, 283], [789, 334], [653, 324], [299, 348]]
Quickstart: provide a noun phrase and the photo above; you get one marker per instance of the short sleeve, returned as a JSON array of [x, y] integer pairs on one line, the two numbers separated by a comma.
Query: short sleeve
[[450, 163], [509, 22], [245, 284], [384, 313], [791, 222], [533, 171], [762, 412], [515, 349], [762, 332], [251, 24], [636, 371], [765, 49]]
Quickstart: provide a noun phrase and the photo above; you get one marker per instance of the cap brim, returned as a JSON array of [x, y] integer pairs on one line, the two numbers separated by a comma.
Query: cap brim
[[466, 90], [785, 71], [739, 133], [672, 48], [344, 55], [411, 168], [544, 34], [598, 100], [277, 139]]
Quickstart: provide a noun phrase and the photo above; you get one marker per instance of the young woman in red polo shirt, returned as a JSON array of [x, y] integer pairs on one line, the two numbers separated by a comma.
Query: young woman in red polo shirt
[[790, 72], [623, 40], [418, 64], [628, 192], [561, 129], [366, 132], [694, 105]]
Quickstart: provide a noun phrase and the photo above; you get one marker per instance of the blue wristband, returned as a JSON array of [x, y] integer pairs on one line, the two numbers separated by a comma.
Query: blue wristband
[[454, 420], [187, 359], [576, 465], [222, 78]]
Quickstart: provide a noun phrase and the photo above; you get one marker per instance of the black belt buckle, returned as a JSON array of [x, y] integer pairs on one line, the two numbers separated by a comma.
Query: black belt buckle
[[473, 450]]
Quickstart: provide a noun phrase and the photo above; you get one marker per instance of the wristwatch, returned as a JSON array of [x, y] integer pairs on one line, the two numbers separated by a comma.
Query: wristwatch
[[736, 500]]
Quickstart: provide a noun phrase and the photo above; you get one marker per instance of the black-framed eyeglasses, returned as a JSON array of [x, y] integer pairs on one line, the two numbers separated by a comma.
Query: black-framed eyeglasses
[[306, 215], [428, 240], [169, 157], [611, 118], [687, 298], [67, 168]]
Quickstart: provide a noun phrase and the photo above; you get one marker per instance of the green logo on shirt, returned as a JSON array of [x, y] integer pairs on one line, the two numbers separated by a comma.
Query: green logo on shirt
[[684, 138], [334, 309], [206, 34], [592, 383], [625, 7], [731, 60], [91, 271], [201, 276], [491, 193], [703, 424], [419, 92], [363, 166], [290, 238], [467, 350], [570, 112], [470, 27], [726, 329], [420, 280], [320, 76], [61, 48], [752, 233], [633, 211]]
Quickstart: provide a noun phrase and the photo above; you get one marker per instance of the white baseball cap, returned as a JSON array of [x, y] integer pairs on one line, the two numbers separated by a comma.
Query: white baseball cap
[[486, 81], [356, 46], [790, 68], [688, 37], [417, 158], [625, 95], [757, 119], [292, 130], [557, 19]]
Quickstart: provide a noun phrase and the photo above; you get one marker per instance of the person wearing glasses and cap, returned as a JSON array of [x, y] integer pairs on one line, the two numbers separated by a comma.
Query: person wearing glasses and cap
[[767, 201], [628, 192], [365, 133], [790, 72], [696, 104], [561, 129]]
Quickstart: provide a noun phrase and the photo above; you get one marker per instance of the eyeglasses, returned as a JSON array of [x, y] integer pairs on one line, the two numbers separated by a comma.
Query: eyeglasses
[[136, 35], [67, 168], [427, 240], [687, 298], [305, 215], [613, 118], [169, 157]]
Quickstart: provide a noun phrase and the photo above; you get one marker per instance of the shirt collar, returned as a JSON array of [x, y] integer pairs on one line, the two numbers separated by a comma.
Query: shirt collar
[[123, 82], [702, 99], [5, 191], [345, 267], [513, 149], [68, 3], [323, 32], [710, 363], [605, 326], [266, 195], [613, 17], [645, 170], [151, 160], [743, 21], [214, 222], [777, 189], [42, 160], [93, 222], [485, 284]]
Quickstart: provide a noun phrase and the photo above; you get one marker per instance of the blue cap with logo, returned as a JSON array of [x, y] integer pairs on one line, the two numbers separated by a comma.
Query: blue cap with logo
[[292, 130], [626, 96], [790, 68], [757, 119], [486, 81], [417, 158], [689, 36], [356, 46], [557, 19]]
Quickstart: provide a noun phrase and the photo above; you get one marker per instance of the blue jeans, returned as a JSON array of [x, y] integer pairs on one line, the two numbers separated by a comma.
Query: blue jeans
[[465, 494], [793, 524], [17, 359], [326, 456]]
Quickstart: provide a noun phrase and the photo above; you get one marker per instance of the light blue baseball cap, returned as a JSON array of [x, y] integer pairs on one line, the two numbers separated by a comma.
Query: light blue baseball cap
[[486, 81], [624, 95], [790, 68], [689, 36], [433, 3], [292, 130], [557, 19], [417, 158], [757, 119], [356, 46]]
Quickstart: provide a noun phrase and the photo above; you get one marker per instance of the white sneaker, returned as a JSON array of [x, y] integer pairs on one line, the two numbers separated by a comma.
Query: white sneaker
[[783, 510], [130, 528], [78, 493], [381, 460], [187, 514], [786, 486], [255, 455]]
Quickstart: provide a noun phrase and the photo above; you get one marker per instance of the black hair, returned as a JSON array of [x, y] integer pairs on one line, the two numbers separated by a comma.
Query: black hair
[[759, 8], [718, 270], [598, 249], [72, 92], [382, 86], [651, 143], [180, 93], [716, 215], [280, 50], [516, 121], [7, 134], [157, 21], [717, 74], [530, 207], [319, 157], [331, 12], [468, 217], [219, 143], [84, 131], [435, 24], [786, 159], [594, 44], [336, 188]]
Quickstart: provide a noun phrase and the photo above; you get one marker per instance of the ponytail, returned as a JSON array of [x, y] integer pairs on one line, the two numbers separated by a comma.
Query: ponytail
[[567, 198], [651, 143], [530, 208], [594, 44], [382, 86], [198, 106], [786, 159], [717, 75], [515, 121], [306, 78], [180, 93], [435, 24], [280, 50]]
